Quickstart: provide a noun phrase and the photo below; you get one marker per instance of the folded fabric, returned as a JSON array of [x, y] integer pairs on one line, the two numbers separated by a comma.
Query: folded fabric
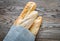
[[19, 33]]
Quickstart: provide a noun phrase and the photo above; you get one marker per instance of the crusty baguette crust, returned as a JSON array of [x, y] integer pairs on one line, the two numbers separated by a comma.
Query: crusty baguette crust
[[30, 6], [36, 25], [28, 21]]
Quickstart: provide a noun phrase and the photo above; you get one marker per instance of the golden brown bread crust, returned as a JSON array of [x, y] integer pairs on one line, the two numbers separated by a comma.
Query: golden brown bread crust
[[36, 25], [31, 23], [30, 6], [28, 21]]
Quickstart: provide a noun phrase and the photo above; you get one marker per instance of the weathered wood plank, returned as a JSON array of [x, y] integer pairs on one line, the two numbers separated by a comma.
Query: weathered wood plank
[[50, 29]]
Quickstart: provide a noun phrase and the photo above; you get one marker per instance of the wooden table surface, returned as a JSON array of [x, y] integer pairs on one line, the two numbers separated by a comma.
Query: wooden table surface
[[50, 29]]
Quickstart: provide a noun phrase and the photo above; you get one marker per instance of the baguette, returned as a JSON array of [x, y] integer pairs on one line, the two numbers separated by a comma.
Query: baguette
[[28, 21], [30, 6], [36, 25]]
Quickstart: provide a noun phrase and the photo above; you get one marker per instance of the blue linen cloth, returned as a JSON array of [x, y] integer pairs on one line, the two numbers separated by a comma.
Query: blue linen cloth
[[19, 33]]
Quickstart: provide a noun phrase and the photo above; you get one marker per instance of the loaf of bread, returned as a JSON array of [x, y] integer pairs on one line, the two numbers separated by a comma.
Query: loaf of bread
[[28, 17], [30, 6], [28, 21], [36, 25]]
